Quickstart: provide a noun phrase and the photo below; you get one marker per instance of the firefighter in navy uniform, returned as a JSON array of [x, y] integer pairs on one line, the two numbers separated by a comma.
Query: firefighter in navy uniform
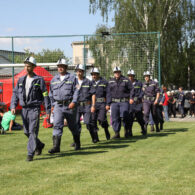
[[31, 92], [86, 101], [150, 99], [64, 95], [119, 95], [159, 107], [100, 86], [135, 109]]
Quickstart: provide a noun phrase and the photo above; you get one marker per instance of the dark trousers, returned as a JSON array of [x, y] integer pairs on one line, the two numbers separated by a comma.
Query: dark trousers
[[147, 107], [192, 109], [85, 111], [100, 115], [159, 114], [181, 109], [135, 111], [119, 111], [172, 109], [30, 117], [60, 113]]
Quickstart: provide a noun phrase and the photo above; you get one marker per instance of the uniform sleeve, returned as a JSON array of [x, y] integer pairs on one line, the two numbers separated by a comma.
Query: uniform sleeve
[[76, 91], [108, 95], [157, 90], [131, 89], [141, 91], [45, 96], [15, 97], [51, 94], [92, 90]]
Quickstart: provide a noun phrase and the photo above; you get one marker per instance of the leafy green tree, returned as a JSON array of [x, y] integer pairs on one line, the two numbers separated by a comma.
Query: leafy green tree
[[173, 18], [44, 56]]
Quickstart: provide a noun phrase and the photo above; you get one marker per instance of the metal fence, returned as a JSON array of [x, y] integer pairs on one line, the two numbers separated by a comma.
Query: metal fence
[[138, 51]]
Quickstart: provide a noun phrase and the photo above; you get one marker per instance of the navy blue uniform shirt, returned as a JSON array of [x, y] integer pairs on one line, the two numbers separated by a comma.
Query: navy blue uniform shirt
[[121, 88], [37, 93], [86, 90]]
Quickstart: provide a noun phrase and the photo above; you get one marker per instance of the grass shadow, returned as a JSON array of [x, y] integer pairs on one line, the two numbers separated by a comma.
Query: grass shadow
[[108, 146], [176, 130], [64, 154], [5, 134]]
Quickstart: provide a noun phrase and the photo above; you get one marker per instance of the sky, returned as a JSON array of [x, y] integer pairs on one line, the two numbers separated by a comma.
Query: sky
[[46, 17]]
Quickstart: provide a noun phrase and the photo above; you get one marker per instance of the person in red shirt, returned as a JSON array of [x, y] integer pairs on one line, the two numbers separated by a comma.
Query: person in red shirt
[[165, 104]]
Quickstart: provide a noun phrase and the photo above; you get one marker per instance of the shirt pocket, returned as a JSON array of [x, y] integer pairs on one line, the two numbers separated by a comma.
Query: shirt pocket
[[37, 93], [66, 90], [55, 91]]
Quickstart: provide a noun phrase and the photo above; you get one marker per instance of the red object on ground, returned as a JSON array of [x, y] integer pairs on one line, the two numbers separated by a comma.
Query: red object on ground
[[7, 83], [46, 123]]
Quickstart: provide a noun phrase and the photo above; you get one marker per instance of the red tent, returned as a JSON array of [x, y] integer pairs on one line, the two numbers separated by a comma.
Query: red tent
[[7, 83]]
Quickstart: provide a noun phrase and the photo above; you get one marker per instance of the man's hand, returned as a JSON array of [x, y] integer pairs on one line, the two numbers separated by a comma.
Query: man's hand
[[131, 101], [92, 109], [71, 105], [52, 108], [107, 108], [13, 111], [155, 102]]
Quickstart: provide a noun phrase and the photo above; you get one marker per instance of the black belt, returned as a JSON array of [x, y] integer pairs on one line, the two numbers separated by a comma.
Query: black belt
[[100, 100], [137, 100], [120, 100], [149, 98], [84, 103], [64, 102]]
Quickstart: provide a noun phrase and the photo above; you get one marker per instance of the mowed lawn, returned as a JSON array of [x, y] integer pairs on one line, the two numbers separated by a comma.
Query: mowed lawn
[[161, 163]]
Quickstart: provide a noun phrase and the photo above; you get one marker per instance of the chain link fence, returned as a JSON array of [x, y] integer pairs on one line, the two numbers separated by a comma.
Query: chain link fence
[[137, 51]]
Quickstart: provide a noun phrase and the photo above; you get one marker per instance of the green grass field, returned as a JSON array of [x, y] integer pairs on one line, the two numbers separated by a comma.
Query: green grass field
[[162, 163]]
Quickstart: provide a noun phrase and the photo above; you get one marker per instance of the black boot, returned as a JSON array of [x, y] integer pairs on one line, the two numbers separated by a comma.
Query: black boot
[[56, 145], [157, 128], [130, 133], [116, 136], [152, 128], [77, 144], [144, 130], [39, 148], [107, 133], [126, 133], [29, 158], [161, 126], [94, 139], [96, 136]]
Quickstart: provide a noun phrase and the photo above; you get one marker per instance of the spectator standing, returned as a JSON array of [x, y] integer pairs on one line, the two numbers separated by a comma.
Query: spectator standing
[[165, 104], [172, 104], [192, 103]]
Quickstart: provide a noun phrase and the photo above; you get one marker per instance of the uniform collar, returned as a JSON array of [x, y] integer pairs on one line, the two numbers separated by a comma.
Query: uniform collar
[[67, 75]]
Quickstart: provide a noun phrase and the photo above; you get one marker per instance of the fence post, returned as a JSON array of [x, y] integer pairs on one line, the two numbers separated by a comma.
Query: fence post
[[84, 55], [159, 67], [13, 62]]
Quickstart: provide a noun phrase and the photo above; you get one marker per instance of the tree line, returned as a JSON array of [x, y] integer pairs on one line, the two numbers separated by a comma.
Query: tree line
[[174, 19]]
